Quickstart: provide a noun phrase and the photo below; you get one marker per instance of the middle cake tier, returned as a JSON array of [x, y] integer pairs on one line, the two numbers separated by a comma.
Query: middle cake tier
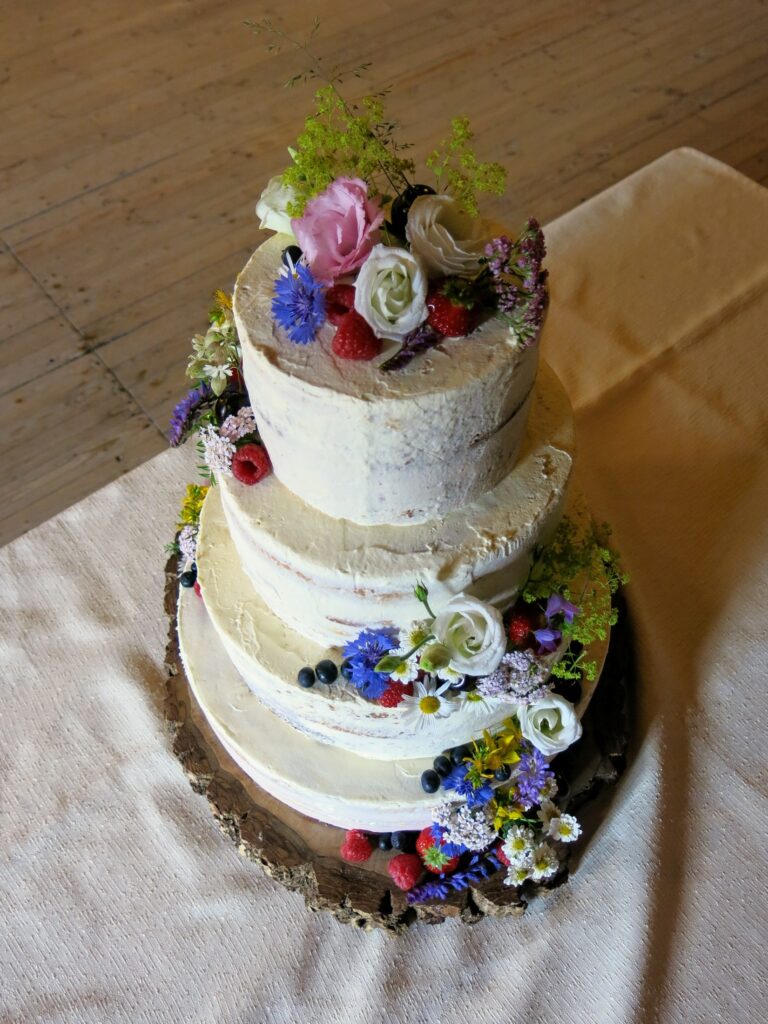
[[330, 578]]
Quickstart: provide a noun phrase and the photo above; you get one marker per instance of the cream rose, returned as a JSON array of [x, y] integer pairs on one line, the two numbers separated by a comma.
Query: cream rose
[[473, 632], [446, 240], [551, 724], [272, 207], [391, 292]]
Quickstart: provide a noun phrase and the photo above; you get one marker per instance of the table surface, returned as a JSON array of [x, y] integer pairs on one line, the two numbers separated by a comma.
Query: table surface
[[122, 902]]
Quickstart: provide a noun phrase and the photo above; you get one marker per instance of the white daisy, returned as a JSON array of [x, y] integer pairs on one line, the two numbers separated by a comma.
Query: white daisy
[[547, 812], [428, 701], [450, 675], [564, 827], [518, 846], [406, 671], [544, 863], [417, 633], [517, 874]]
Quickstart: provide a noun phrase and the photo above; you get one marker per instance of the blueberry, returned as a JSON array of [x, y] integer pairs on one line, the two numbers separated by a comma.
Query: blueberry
[[402, 204], [458, 754], [442, 765], [292, 253], [306, 677], [405, 842], [502, 774], [346, 669], [430, 781], [326, 671], [188, 578], [385, 841]]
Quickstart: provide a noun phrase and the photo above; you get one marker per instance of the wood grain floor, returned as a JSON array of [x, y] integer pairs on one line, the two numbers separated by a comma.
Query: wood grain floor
[[137, 135]]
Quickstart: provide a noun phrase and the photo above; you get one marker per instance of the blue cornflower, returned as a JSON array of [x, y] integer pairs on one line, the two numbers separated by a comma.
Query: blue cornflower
[[299, 304], [449, 849], [532, 778], [183, 417], [462, 786], [364, 653]]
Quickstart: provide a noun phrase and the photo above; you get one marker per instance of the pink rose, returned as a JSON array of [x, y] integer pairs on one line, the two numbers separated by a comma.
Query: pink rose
[[338, 228]]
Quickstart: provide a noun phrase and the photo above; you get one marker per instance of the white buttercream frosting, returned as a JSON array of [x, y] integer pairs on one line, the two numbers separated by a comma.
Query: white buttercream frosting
[[373, 447], [322, 781], [329, 578]]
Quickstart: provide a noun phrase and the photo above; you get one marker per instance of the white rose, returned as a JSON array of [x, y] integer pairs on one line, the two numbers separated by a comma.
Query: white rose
[[272, 207], [550, 724], [474, 634], [391, 292], [446, 239]]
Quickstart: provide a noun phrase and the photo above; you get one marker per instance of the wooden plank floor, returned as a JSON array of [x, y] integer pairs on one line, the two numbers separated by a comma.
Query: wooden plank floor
[[137, 137]]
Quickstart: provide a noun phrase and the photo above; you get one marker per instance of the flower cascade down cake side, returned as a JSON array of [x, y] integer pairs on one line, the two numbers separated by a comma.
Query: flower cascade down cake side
[[392, 607]]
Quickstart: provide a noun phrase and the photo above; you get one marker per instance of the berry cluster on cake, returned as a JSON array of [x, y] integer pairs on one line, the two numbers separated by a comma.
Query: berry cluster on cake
[[393, 609]]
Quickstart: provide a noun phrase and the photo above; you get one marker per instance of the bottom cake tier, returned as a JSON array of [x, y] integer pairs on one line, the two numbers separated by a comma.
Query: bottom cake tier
[[323, 781]]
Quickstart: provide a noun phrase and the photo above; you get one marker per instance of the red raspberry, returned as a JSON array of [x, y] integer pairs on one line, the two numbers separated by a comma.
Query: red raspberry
[[450, 320], [339, 299], [197, 589], [356, 846], [405, 870], [354, 338], [250, 463], [432, 856], [394, 694], [522, 622]]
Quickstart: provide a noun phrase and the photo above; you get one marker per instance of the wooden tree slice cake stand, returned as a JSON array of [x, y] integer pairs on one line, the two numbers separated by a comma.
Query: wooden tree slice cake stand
[[302, 854]]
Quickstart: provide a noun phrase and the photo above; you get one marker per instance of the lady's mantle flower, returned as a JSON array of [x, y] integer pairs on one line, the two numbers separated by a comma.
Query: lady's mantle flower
[[544, 862], [428, 701], [564, 827], [217, 451], [241, 424], [364, 653], [299, 304]]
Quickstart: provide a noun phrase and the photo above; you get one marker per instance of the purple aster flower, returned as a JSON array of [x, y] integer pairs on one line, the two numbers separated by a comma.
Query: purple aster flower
[[557, 605], [547, 638], [299, 304], [532, 776], [183, 417], [364, 653]]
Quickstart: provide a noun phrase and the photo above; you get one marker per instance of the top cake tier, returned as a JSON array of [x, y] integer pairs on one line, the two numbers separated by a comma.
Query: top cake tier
[[371, 446]]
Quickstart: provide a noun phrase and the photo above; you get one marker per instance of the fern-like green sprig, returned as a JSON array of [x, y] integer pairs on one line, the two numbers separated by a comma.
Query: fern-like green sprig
[[458, 170]]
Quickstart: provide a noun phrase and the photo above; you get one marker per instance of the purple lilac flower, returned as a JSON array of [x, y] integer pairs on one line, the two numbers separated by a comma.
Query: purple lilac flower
[[419, 340], [364, 653], [299, 304], [519, 677], [183, 417], [459, 782], [479, 867], [557, 605], [533, 777]]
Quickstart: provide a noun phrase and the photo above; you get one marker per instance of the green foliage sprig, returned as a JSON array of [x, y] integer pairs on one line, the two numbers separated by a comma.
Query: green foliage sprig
[[458, 170], [580, 566]]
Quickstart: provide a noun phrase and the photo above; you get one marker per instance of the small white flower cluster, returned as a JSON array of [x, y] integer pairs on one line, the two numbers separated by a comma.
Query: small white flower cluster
[[538, 861], [188, 542], [217, 450], [466, 826], [521, 677], [239, 425]]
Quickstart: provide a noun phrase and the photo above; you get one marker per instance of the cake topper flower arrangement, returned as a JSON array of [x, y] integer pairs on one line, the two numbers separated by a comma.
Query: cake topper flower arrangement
[[378, 255]]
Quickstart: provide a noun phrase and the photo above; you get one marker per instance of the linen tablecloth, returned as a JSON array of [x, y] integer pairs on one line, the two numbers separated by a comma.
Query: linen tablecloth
[[122, 902]]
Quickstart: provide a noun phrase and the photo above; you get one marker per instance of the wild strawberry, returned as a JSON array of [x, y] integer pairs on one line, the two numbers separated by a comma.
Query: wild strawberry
[[354, 338], [405, 870], [450, 319], [499, 851], [356, 847], [395, 693], [250, 463], [431, 854], [339, 299], [522, 621]]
